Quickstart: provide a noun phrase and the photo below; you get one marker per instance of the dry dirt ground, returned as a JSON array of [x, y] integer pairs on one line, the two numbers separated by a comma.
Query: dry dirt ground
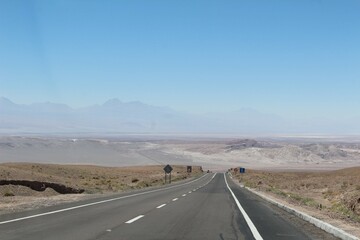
[[333, 196], [94, 180]]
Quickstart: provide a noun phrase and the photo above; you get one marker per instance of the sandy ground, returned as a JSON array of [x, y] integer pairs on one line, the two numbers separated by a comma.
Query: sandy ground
[[332, 196]]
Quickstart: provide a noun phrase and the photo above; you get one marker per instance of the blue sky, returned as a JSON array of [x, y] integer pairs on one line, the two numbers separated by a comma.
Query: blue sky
[[291, 58]]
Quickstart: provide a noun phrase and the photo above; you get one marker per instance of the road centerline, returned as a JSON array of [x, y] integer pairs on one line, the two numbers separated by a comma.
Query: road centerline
[[135, 219], [162, 205]]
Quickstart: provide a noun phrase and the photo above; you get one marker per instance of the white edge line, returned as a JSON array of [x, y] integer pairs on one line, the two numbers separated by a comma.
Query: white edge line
[[251, 225], [162, 205], [337, 232], [95, 203], [134, 219]]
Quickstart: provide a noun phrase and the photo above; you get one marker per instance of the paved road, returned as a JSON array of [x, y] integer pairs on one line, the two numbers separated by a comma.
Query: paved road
[[201, 209]]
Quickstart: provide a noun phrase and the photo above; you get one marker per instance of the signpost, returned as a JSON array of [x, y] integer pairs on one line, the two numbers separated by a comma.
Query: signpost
[[167, 170], [240, 170], [189, 169]]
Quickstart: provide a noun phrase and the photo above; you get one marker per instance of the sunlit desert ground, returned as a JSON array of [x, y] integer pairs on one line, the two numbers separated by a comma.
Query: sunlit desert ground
[[92, 180], [320, 175]]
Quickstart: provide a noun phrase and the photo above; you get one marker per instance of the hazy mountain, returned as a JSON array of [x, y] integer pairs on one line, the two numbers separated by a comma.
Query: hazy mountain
[[117, 116], [113, 115], [6, 103]]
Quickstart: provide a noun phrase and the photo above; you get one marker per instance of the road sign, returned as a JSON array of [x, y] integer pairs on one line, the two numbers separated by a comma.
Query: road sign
[[242, 170], [168, 168], [189, 169]]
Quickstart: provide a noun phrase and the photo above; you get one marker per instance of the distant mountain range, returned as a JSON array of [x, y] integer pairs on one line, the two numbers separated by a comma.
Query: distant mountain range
[[136, 117]]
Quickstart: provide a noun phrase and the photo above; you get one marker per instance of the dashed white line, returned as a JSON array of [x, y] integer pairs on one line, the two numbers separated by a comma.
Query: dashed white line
[[183, 195], [190, 192], [175, 199], [162, 205], [108, 230], [251, 225], [135, 219]]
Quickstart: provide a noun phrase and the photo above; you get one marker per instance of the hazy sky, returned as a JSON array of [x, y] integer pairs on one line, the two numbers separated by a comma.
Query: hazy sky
[[296, 58]]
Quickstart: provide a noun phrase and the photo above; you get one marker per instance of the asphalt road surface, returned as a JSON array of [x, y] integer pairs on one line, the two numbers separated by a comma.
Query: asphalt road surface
[[211, 207]]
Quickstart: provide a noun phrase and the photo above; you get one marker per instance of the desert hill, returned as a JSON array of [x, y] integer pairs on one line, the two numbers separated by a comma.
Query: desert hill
[[210, 153]]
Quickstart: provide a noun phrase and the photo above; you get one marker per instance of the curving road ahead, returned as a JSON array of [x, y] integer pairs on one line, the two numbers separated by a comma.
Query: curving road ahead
[[211, 207]]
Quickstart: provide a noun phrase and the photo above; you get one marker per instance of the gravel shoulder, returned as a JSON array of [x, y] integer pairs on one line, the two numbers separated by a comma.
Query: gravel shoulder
[[285, 188]]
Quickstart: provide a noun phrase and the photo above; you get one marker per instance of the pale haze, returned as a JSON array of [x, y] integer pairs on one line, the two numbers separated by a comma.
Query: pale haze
[[244, 67]]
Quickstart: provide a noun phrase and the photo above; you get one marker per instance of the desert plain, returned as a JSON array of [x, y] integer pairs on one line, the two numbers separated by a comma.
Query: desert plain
[[321, 175]]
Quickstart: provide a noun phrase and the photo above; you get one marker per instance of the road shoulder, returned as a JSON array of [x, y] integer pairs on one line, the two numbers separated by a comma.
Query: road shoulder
[[332, 226]]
